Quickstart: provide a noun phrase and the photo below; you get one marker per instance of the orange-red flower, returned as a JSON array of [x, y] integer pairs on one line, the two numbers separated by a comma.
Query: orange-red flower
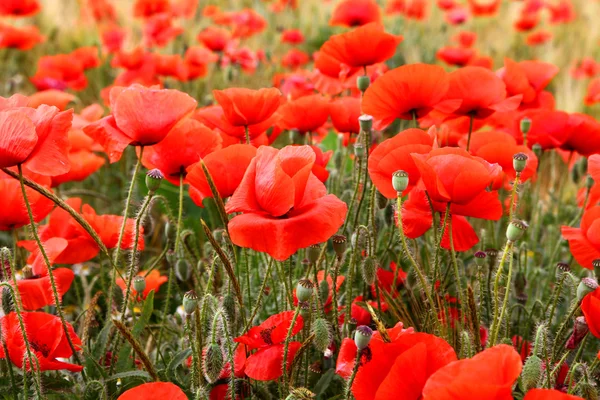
[[484, 8], [306, 114], [355, 13], [549, 394], [292, 36], [590, 306], [409, 91], [22, 38], [528, 78], [47, 339], [214, 37], [584, 136], [149, 8], [538, 38], [154, 391], [197, 59], [321, 160], [592, 95], [495, 370], [294, 59], [154, 281], [159, 30], [60, 71], [140, 117], [36, 292], [584, 241], [459, 56], [19, 8], [279, 193]]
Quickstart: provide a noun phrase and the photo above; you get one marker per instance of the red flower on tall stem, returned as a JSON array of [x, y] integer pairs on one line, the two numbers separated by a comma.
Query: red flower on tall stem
[[306, 114], [36, 291], [584, 242], [355, 13]]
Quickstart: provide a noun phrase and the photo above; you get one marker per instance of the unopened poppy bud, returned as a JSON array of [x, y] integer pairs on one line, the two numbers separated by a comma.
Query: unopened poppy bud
[[313, 252], [366, 122], [480, 257], [586, 286], [190, 301], [304, 290], [400, 181], [563, 266], [369, 270], [589, 182], [229, 307], [587, 390], [214, 361], [382, 201], [516, 229], [580, 329], [139, 284], [183, 270], [537, 150], [525, 126], [153, 179], [27, 272], [363, 82], [532, 371], [339, 243], [359, 150], [362, 337], [466, 345], [520, 162], [322, 334], [7, 301], [324, 289]]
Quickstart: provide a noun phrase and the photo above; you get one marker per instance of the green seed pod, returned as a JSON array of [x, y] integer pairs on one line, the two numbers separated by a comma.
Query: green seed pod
[[369, 270], [586, 286], [537, 150], [480, 257], [171, 258], [532, 371], [362, 337], [400, 181], [229, 306], [214, 360], [139, 284], [183, 270], [153, 179], [359, 150], [190, 301], [304, 290], [323, 290], [322, 334], [363, 82], [339, 243], [382, 201], [520, 162], [525, 125], [366, 123], [516, 229], [313, 252]]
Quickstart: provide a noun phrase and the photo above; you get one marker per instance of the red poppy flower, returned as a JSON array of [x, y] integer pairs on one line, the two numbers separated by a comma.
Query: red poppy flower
[[214, 37], [495, 369], [13, 213], [171, 65], [246, 23], [457, 16], [36, 138], [416, 9], [254, 109], [19, 8], [585, 68], [47, 340], [584, 241], [112, 37], [355, 13], [465, 38], [344, 114], [226, 166], [269, 339], [154, 391], [154, 281], [51, 97], [484, 8], [36, 292], [149, 8], [527, 77], [292, 36], [22, 38], [584, 137], [590, 306], [83, 164], [294, 59], [527, 21], [549, 394], [394, 7], [459, 56], [60, 71], [361, 47], [549, 129], [101, 10], [538, 38], [185, 145], [159, 30], [386, 280], [321, 160], [393, 154], [359, 313], [214, 118], [522, 346], [197, 59], [306, 114], [561, 12], [592, 95], [140, 117], [401, 366], [279, 194], [403, 92], [481, 91]]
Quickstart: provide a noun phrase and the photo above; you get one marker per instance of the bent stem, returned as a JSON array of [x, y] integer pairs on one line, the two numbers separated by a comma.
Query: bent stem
[[55, 295]]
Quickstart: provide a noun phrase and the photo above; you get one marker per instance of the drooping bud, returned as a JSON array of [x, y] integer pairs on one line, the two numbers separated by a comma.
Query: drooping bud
[[537, 150], [532, 371], [363, 82], [589, 182], [190, 301], [213, 362], [324, 289], [480, 257], [586, 286], [183, 270], [466, 345], [369, 270], [304, 290], [400, 181], [362, 337], [366, 122], [313, 252], [580, 329], [520, 162], [229, 306], [7, 301], [516, 229], [139, 284], [153, 179], [339, 243], [525, 126], [322, 334]]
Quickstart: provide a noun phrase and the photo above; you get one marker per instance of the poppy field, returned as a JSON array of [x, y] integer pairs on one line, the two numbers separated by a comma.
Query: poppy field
[[300, 199]]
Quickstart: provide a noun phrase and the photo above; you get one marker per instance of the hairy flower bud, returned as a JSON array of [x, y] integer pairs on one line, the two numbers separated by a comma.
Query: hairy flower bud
[[368, 269], [183, 270], [322, 334], [532, 371], [323, 289], [580, 329], [213, 362]]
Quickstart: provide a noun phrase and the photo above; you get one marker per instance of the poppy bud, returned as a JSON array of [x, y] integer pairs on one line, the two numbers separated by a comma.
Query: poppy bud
[[304, 290], [480, 257], [537, 150], [466, 345], [313, 252], [516, 229], [532, 371], [563, 266], [322, 334], [338, 159], [580, 329], [229, 307], [382, 201], [153, 179], [183, 270], [339, 244], [363, 82], [587, 390], [362, 337], [525, 126], [589, 182], [586, 286], [596, 266], [213, 362], [324, 289], [190, 301], [7, 301], [369, 270], [171, 258], [520, 162], [400, 181], [366, 122], [27, 272], [359, 150], [139, 284]]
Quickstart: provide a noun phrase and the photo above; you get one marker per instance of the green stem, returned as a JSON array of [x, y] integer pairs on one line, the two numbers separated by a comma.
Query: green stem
[[348, 390], [286, 346], [496, 317]]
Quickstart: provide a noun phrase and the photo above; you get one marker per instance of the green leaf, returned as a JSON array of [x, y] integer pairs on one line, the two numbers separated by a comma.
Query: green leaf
[[176, 362], [130, 374], [324, 382]]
